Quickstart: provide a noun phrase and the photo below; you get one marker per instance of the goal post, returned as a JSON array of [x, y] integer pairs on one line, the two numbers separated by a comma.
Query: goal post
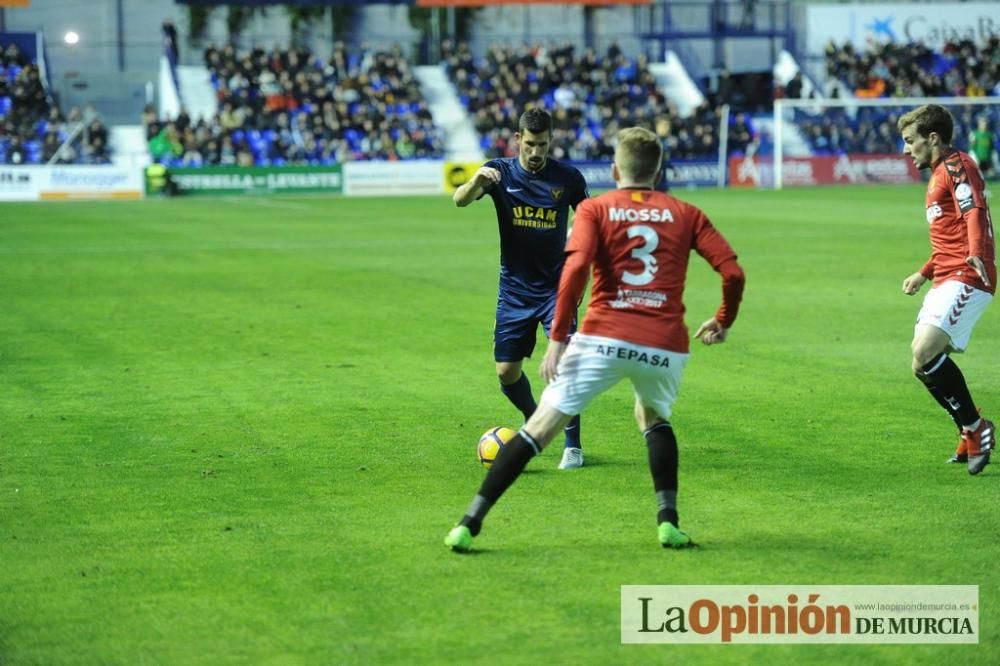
[[857, 138]]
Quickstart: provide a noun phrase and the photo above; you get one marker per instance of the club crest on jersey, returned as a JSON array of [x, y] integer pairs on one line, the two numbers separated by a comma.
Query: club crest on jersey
[[934, 211], [556, 192], [963, 192]]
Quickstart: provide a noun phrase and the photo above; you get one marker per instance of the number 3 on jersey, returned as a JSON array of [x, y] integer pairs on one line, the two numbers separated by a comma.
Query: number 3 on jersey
[[644, 253]]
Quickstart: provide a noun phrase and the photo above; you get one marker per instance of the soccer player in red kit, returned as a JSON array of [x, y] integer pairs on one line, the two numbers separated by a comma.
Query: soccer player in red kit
[[638, 241], [963, 269]]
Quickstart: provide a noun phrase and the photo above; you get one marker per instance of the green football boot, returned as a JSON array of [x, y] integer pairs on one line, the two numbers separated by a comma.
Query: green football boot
[[459, 539], [674, 537]]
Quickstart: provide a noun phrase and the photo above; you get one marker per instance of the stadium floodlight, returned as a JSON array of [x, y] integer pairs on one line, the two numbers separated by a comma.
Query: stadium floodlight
[[71, 37], [792, 115]]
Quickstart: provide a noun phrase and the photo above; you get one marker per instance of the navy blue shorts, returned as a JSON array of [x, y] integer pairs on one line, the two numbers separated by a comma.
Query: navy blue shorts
[[517, 320]]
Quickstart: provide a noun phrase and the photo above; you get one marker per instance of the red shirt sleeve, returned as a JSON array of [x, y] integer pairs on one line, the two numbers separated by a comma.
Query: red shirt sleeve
[[717, 251], [580, 251], [733, 281], [967, 189], [975, 219]]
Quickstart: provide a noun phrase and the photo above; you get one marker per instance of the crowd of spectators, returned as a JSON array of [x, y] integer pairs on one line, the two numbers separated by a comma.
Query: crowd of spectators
[[290, 107], [960, 69], [591, 97], [33, 129]]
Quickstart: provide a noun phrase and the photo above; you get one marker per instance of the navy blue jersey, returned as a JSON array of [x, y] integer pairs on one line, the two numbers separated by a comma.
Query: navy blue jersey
[[533, 211]]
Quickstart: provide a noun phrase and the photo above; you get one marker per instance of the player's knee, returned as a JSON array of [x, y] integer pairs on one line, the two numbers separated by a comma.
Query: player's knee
[[921, 355], [508, 373], [924, 364], [646, 418]]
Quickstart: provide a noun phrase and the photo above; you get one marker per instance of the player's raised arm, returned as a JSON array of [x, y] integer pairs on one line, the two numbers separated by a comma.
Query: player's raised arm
[[484, 178]]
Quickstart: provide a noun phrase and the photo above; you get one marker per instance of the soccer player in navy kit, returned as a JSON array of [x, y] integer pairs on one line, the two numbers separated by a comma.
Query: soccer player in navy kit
[[532, 195]]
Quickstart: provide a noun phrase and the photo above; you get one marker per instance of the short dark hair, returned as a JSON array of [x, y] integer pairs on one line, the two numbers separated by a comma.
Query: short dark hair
[[929, 118], [536, 120]]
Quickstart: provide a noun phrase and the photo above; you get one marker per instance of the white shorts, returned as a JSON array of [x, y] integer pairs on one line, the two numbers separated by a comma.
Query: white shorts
[[592, 364], [954, 307]]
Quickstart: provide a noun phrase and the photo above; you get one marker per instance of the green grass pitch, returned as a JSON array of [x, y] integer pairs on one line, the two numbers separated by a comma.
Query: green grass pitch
[[236, 430]]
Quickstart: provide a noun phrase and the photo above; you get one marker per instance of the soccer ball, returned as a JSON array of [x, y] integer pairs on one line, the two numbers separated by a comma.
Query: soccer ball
[[490, 444]]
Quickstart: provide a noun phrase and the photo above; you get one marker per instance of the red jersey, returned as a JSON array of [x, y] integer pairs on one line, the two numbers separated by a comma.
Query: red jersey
[[960, 224], [639, 242]]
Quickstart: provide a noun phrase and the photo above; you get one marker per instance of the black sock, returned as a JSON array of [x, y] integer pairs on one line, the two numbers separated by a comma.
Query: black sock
[[950, 383], [572, 432], [519, 393], [936, 394], [510, 462], [664, 460]]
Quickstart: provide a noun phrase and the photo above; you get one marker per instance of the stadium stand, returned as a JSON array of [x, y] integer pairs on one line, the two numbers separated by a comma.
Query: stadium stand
[[289, 107], [591, 97], [286, 106], [960, 69], [33, 129]]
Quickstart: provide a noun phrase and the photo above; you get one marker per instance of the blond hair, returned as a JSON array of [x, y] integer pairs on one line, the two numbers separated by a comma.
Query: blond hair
[[638, 155], [929, 118]]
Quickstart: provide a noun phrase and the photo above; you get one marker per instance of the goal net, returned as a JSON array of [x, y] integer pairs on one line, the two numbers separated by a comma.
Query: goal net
[[841, 141]]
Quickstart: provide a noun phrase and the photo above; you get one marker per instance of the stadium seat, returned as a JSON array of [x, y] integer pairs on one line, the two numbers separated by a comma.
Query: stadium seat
[[34, 150], [390, 85]]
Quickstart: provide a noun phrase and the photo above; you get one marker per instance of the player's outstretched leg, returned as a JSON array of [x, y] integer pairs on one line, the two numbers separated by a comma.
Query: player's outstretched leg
[[572, 456], [509, 464], [664, 460], [960, 455], [944, 380]]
